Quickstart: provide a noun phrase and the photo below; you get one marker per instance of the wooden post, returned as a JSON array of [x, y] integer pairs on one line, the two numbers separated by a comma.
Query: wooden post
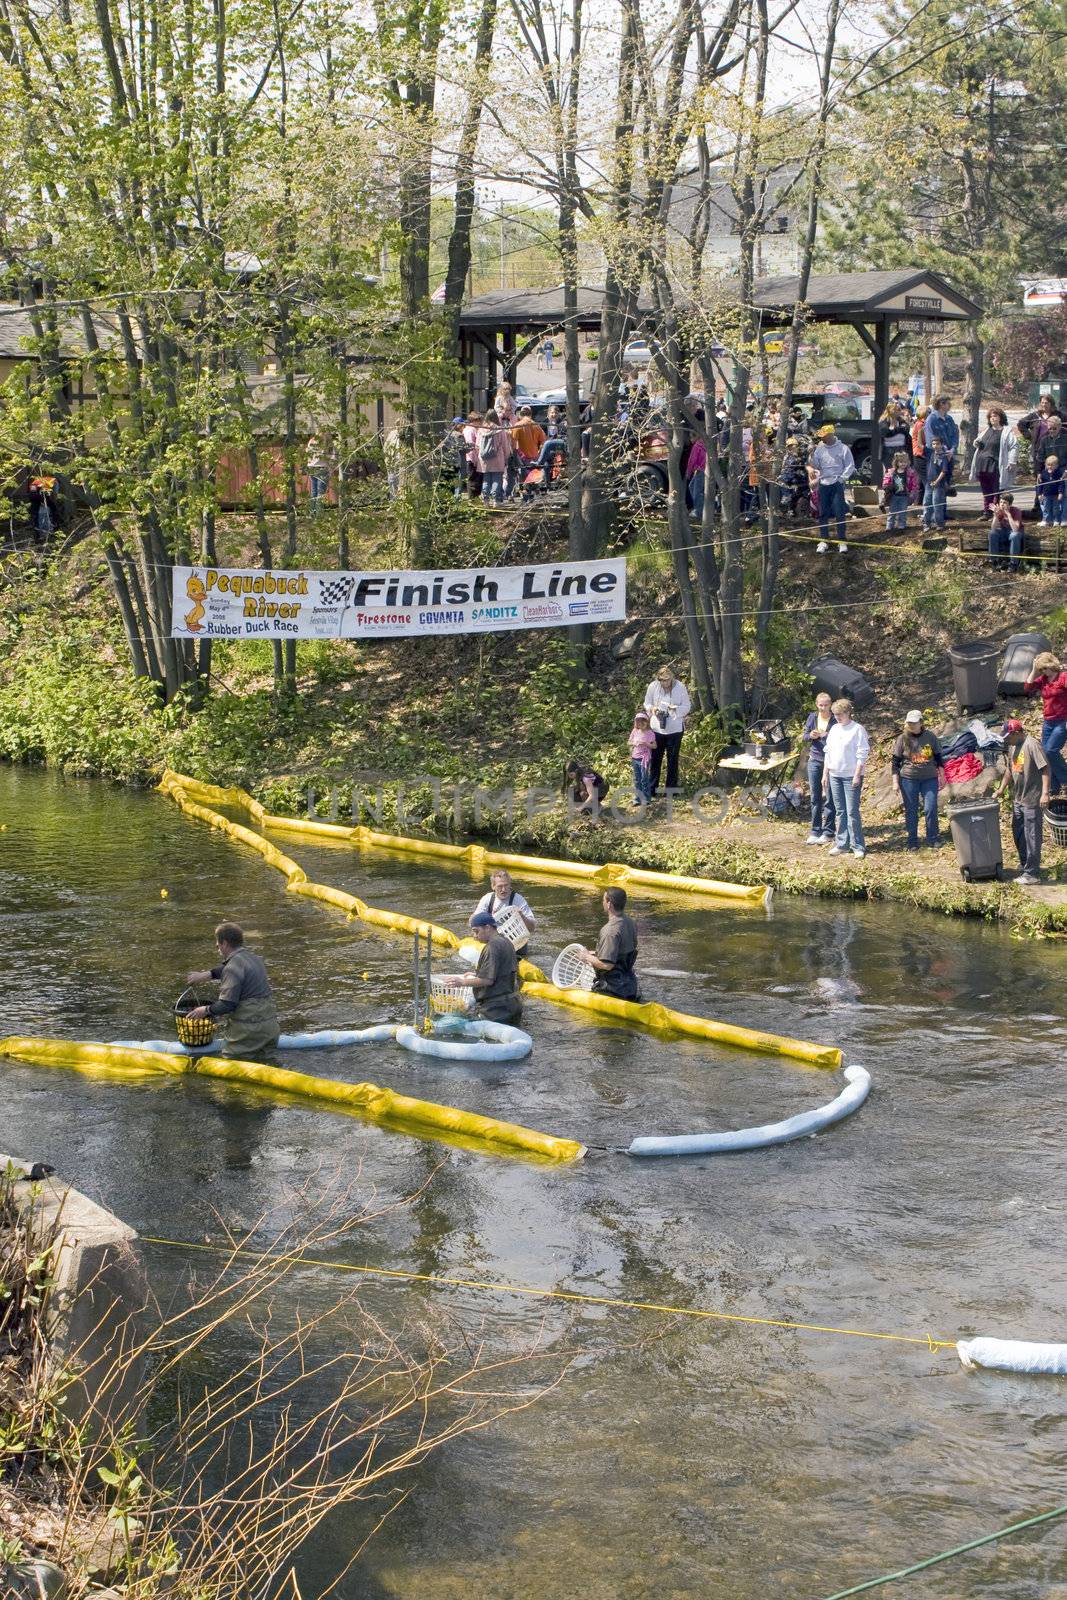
[[416, 973]]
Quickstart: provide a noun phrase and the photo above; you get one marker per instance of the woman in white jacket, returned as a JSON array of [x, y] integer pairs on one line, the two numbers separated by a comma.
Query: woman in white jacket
[[667, 703], [846, 751], [996, 454]]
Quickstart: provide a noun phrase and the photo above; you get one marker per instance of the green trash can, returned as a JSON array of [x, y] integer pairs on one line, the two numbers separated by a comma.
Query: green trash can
[[976, 836], [975, 674]]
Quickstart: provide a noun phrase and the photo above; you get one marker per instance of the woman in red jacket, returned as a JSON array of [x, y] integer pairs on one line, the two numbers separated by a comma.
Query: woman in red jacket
[[1048, 678]]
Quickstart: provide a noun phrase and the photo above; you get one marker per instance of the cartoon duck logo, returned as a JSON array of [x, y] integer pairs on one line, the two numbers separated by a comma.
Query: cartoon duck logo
[[197, 593]]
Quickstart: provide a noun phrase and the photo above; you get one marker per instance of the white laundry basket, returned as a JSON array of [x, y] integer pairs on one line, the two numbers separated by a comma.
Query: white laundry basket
[[570, 973], [448, 997], [510, 924]]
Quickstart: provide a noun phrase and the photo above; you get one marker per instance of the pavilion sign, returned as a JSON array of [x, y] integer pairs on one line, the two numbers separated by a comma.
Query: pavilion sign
[[249, 603]]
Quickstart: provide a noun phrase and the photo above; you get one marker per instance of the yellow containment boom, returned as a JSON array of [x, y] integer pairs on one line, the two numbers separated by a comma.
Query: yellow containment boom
[[367, 1100], [188, 793], [474, 856], [661, 1019], [190, 796]]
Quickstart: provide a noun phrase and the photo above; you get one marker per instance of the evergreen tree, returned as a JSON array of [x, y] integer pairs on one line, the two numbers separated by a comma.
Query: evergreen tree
[[952, 158]]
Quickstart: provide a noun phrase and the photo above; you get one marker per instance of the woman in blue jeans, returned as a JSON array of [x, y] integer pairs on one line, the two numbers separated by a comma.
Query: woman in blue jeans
[[916, 761], [823, 815], [847, 749]]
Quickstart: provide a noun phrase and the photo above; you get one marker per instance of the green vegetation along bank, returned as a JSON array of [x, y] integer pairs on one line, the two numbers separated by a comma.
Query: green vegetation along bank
[[507, 711]]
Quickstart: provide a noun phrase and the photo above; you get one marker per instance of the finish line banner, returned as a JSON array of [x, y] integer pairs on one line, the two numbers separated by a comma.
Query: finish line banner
[[248, 603]]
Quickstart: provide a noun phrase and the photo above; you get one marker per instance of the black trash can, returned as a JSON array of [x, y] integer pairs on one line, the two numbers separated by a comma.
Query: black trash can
[[840, 682], [975, 672], [976, 836]]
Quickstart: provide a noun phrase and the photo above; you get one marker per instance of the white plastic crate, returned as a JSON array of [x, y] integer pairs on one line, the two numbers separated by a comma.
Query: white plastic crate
[[448, 997]]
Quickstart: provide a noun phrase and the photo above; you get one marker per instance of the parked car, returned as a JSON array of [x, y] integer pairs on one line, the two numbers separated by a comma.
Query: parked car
[[540, 400], [638, 460], [638, 353], [851, 417], [646, 464]]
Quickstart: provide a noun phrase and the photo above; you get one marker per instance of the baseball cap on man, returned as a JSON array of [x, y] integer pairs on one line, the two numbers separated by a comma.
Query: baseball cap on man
[[1013, 725], [825, 431], [914, 716], [483, 919]]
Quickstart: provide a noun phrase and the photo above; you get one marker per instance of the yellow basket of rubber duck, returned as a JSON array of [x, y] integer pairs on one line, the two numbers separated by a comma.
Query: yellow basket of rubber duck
[[192, 1031], [449, 997]]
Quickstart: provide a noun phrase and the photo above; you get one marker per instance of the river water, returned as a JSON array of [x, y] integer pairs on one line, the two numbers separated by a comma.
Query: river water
[[676, 1457]]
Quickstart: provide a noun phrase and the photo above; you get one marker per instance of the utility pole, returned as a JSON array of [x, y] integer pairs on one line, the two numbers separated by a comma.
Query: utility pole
[[487, 198]]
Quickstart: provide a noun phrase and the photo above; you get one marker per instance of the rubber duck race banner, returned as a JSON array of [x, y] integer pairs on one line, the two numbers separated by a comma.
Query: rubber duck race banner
[[249, 603]]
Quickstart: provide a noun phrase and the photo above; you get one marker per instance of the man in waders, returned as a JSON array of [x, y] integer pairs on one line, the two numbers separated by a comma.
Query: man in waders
[[616, 950], [245, 997], [496, 977], [504, 893]]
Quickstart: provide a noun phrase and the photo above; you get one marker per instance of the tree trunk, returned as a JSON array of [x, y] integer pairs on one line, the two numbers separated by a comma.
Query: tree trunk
[[620, 297], [129, 617], [973, 374], [459, 240]]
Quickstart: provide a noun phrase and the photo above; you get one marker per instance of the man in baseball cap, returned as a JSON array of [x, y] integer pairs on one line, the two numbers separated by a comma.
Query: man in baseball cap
[[830, 468], [496, 977], [916, 760], [1029, 776]]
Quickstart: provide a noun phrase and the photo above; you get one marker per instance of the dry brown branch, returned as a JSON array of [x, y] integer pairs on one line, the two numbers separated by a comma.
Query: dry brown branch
[[261, 1419]]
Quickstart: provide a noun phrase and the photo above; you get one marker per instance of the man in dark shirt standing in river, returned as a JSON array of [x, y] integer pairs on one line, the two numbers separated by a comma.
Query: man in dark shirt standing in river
[[616, 950], [496, 977], [245, 996]]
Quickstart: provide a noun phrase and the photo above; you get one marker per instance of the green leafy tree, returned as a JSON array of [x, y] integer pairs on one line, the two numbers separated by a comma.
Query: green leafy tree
[[179, 225], [949, 155], [1024, 349]]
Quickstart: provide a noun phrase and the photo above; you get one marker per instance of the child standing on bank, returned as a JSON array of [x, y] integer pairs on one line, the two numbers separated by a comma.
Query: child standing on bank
[[642, 743], [900, 488], [935, 499], [793, 477], [1050, 492]]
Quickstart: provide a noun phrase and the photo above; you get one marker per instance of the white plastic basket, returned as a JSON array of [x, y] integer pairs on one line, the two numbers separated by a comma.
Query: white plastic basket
[[510, 924], [570, 973], [1056, 820], [449, 997]]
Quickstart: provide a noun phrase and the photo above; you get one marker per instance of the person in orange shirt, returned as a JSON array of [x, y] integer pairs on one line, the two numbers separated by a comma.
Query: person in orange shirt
[[918, 443], [528, 435]]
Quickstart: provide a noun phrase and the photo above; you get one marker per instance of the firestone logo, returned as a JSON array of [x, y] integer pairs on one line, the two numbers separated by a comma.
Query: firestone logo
[[548, 612]]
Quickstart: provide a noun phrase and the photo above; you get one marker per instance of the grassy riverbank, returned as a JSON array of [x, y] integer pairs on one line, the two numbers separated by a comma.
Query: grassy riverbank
[[508, 710]]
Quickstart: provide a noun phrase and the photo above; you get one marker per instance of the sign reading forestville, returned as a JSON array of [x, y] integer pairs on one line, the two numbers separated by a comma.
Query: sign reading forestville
[[247, 603]]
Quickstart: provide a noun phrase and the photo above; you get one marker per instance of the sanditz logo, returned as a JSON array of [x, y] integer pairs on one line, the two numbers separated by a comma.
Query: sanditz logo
[[579, 608], [547, 612]]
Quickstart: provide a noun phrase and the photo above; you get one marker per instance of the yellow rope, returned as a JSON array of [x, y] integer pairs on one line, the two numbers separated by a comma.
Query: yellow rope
[[900, 549], [439, 1280]]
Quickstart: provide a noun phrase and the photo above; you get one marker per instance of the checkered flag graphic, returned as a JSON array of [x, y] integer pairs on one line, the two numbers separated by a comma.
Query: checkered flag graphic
[[335, 591]]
